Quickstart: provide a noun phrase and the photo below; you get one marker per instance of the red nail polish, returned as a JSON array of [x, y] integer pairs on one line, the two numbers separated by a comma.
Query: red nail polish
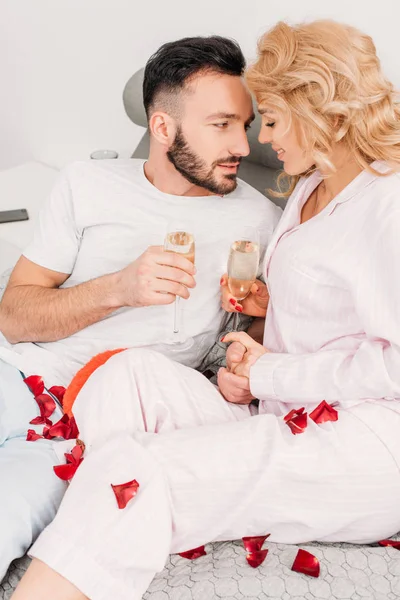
[[233, 301], [239, 308], [221, 281], [222, 339]]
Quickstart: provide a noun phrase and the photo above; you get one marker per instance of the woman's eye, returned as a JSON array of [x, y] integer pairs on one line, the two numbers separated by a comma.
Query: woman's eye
[[247, 127], [270, 124]]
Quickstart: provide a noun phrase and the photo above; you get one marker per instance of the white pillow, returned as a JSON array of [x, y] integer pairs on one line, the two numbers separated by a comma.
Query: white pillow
[[9, 254]]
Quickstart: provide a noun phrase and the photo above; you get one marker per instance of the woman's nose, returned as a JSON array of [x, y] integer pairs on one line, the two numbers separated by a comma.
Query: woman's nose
[[265, 136]]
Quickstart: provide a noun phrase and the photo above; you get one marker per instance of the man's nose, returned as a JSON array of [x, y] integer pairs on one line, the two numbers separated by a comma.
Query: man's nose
[[241, 146]]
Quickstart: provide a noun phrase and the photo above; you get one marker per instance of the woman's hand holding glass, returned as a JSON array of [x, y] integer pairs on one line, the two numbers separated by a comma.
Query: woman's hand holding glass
[[254, 305], [243, 262]]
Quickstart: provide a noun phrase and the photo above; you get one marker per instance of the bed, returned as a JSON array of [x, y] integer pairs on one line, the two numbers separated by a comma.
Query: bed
[[347, 571]]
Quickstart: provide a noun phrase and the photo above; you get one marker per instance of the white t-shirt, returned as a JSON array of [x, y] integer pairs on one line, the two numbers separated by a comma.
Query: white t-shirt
[[101, 216]]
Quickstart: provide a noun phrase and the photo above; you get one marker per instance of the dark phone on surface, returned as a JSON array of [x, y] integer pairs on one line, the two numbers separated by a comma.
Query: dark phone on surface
[[8, 216]]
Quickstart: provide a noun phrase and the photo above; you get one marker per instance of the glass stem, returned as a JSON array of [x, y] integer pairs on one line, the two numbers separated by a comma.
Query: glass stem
[[176, 315], [235, 324]]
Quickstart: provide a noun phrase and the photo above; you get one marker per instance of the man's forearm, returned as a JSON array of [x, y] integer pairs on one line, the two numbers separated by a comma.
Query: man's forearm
[[30, 313]]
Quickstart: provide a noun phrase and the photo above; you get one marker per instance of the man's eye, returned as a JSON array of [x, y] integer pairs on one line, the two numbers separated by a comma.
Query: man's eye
[[221, 125], [270, 124]]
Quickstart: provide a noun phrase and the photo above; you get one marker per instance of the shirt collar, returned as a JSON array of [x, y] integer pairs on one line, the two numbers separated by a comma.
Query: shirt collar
[[359, 183]]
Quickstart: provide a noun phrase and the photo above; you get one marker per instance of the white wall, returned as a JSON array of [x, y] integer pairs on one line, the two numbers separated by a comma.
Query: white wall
[[64, 63]]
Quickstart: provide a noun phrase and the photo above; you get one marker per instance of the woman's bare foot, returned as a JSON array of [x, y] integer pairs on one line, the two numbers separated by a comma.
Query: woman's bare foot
[[40, 582]]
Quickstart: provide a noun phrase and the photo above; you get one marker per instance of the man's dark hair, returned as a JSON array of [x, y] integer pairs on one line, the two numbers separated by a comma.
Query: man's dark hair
[[175, 63]]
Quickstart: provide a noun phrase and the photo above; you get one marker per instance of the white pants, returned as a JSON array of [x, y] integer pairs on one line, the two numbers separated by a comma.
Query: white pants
[[30, 493], [233, 476]]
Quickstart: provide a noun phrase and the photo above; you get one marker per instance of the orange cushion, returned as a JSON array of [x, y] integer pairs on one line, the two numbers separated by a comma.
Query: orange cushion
[[83, 375]]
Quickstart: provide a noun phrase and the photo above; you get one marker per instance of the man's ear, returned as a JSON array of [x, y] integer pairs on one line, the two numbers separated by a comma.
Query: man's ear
[[162, 128]]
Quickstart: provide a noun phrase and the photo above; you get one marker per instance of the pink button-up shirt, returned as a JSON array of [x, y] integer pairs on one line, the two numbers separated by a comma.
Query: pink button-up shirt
[[333, 322]]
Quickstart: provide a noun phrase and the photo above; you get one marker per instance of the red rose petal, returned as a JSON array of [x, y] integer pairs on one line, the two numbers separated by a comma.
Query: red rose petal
[[45, 433], [73, 429], [254, 544], [124, 492], [298, 424], [73, 459], [35, 384], [392, 543], [41, 421], [193, 554], [293, 413], [306, 563], [65, 472], [65, 428], [256, 558], [323, 413], [46, 404], [60, 429], [58, 391], [32, 436], [77, 452], [46, 408]]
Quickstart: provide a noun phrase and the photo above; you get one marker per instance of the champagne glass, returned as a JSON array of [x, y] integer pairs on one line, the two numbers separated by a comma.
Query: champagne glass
[[243, 261], [182, 242]]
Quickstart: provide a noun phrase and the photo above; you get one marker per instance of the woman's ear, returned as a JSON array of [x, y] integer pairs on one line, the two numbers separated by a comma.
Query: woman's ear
[[339, 127]]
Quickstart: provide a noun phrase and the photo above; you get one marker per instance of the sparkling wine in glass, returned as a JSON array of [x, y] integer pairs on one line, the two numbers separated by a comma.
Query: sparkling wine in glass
[[182, 242], [244, 257]]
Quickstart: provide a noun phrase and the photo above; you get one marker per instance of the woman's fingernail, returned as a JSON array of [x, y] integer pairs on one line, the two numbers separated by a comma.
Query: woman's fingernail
[[239, 308], [233, 301], [223, 338], [221, 281]]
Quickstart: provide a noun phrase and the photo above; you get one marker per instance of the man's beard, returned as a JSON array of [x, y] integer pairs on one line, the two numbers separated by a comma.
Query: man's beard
[[194, 168]]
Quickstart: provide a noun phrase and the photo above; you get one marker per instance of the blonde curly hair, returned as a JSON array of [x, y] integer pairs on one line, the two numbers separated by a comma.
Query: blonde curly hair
[[327, 78]]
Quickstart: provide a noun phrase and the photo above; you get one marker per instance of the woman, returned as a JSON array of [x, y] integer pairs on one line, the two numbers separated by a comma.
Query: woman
[[332, 334]]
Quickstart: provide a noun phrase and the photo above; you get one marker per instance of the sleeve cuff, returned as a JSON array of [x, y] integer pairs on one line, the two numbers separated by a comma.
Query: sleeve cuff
[[47, 261], [262, 376]]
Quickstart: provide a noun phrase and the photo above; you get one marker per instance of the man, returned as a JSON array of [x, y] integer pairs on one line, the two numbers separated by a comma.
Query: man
[[89, 281]]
